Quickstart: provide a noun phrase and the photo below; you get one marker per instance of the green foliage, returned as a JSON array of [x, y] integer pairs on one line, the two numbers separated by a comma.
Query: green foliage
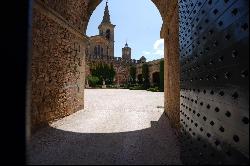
[[140, 78], [104, 72], [123, 86], [111, 86], [154, 89], [145, 76], [93, 81], [136, 87], [132, 74], [126, 86], [161, 88], [112, 74]]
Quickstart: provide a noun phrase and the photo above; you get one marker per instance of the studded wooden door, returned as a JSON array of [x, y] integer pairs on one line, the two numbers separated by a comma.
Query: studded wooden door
[[214, 55]]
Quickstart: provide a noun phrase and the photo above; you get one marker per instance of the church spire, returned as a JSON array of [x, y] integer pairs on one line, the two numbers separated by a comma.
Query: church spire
[[106, 17], [126, 45]]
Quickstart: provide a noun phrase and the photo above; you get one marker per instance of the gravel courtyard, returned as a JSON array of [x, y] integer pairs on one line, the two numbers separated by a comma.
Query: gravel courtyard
[[116, 127]]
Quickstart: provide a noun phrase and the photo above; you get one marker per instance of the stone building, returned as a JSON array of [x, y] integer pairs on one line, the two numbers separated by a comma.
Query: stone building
[[101, 51], [102, 45], [126, 52], [153, 70], [143, 59]]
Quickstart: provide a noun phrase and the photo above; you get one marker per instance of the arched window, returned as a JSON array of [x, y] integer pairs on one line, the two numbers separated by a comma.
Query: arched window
[[108, 34], [101, 51], [98, 50], [95, 51], [87, 52]]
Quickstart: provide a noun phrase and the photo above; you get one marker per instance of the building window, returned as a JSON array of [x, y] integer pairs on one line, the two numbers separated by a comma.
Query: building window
[[101, 51], [108, 34], [98, 50], [95, 50]]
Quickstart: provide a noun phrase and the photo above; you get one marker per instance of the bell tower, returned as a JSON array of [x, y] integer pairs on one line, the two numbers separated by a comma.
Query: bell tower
[[126, 52], [106, 29]]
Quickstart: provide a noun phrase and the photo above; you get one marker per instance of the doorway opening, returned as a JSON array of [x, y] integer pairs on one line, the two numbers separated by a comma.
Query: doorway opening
[[117, 117]]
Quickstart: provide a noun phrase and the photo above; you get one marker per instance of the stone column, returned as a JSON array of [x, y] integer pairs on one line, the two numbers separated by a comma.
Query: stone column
[[170, 31]]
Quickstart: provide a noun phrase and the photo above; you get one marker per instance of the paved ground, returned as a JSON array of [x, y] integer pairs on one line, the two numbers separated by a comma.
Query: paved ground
[[116, 127]]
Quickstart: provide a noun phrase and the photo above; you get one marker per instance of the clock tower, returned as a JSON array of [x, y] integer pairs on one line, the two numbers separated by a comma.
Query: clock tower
[[126, 52]]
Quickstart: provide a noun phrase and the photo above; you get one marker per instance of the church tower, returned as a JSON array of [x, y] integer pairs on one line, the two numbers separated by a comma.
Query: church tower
[[106, 29], [126, 52]]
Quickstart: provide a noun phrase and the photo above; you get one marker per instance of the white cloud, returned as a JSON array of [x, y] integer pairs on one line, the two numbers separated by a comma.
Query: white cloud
[[159, 44], [159, 47], [156, 52], [159, 52]]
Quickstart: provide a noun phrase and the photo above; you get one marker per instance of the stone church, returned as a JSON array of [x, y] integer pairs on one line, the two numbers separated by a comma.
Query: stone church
[[101, 51], [102, 45]]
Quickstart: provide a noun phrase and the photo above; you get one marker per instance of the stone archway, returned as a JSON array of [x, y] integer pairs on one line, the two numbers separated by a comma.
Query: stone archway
[[169, 32], [58, 52]]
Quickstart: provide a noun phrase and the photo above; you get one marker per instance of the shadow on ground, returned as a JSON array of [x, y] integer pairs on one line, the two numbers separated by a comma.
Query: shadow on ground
[[155, 145], [198, 151]]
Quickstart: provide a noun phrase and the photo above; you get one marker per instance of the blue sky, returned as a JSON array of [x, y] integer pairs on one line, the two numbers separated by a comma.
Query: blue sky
[[139, 24]]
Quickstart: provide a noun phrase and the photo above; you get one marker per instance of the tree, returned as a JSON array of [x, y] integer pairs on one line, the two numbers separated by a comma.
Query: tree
[[133, 74], [161, 76], [93, 80], [145, 76], [112, 74], [104, 72]]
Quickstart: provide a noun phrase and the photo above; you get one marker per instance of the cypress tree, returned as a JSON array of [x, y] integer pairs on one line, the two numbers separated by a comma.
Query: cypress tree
[[133, 74], [145, 76]]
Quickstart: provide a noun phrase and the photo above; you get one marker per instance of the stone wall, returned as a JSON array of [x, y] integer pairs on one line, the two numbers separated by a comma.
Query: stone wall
[[122, 73], [121, 69], [57, 64], [153, 67], [73, 11]]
